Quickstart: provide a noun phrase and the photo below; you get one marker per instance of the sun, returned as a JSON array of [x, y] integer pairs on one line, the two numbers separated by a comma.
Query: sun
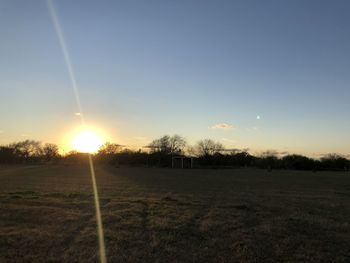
[[87, 142]]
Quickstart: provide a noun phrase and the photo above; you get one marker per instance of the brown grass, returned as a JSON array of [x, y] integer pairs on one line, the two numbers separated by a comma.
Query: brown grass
[[163, 215]]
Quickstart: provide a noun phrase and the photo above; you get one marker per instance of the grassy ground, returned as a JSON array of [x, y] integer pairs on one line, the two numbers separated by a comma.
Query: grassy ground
[[163, 215]]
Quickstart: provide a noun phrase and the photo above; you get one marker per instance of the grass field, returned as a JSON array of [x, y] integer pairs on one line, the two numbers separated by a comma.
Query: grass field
[[163, 215]]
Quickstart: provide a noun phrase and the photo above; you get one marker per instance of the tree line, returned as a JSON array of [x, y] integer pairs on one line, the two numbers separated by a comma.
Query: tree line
[[159, 153]]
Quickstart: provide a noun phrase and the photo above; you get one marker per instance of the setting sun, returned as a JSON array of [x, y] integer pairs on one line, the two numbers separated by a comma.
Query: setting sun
[[87, 142]]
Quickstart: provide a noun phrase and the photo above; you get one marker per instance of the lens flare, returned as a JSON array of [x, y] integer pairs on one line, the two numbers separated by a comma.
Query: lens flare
[[80, 142]]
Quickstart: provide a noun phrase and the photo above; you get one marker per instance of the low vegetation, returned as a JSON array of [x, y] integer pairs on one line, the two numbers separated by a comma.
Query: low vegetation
[[159, 153]]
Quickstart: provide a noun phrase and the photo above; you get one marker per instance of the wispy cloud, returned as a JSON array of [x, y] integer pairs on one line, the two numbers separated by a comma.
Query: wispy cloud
[[274, 153], [77, 113], [222, 126], [25, 135]]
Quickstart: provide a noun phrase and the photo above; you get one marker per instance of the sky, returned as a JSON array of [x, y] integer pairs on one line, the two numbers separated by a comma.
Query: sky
[[263, 75]]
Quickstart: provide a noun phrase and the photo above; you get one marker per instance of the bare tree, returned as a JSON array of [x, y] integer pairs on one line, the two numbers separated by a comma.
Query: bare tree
[[208, 147], [109, 148], [168, 145], [27, 149], [50, 151], [177, 144]]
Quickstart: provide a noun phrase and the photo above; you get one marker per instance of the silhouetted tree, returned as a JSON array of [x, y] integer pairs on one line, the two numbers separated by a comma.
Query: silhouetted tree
[[334, 162], [268, 160], [168, 145], [108, 153], [133, 158], [7, 155], [109, 148], [75, 157], [50, 152], [177, 144], [208, 152], [161, 145], [28, 150], [208, 147], [298, 162], [241, 159], [164, 148]]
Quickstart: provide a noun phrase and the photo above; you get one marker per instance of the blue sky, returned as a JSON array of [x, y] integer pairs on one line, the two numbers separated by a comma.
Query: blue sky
[[148, 68]]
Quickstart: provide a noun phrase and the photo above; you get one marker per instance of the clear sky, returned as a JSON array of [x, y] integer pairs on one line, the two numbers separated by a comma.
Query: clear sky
[[276, 71]]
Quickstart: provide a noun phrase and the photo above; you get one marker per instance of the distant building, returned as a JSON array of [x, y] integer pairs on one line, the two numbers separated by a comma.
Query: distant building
[[183, 162]]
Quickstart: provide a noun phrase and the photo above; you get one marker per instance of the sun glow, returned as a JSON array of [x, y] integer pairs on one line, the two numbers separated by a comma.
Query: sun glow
[[87, 142]]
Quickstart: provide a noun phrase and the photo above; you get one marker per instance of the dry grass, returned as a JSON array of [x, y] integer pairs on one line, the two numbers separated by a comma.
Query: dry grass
[[162, 215]]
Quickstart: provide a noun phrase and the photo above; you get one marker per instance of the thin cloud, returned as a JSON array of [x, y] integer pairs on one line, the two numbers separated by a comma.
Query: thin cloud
[[222, 126], [274, 153]]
